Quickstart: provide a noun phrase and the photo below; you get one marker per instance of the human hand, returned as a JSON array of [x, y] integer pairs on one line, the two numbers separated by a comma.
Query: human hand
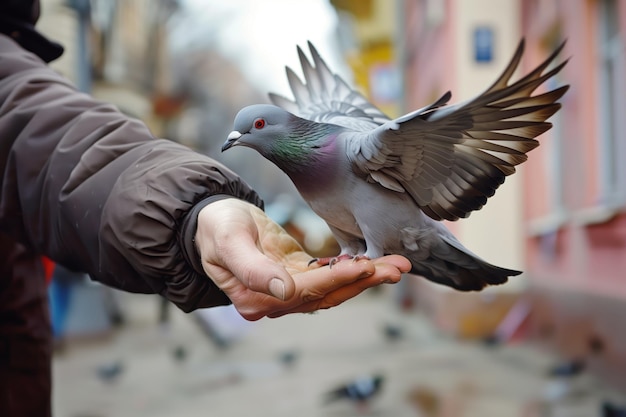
[[265, 272]]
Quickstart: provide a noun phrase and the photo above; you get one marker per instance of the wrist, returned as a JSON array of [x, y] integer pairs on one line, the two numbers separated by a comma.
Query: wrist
[[189, 232]]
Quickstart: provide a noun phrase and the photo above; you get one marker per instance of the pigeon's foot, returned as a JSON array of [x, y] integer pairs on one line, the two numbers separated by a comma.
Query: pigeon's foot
[[332, 260]]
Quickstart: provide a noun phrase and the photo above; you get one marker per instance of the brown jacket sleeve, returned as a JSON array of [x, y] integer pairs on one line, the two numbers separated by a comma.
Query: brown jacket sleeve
[[91, 188]]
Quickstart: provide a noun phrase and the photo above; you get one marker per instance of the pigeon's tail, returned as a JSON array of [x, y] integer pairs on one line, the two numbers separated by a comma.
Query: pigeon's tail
[[450, 263]]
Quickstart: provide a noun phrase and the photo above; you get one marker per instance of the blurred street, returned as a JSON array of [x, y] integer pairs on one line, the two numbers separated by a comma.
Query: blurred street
[[186, 68], [283, 367]]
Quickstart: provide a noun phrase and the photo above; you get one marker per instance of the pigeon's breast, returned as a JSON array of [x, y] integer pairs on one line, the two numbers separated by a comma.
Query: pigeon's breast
[[334, 202], [369, 210], [323, 172]]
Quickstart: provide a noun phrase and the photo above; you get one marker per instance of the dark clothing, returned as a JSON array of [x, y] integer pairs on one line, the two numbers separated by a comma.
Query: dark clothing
[[26, 11], [25, 335], [91, 189], [17, 20]]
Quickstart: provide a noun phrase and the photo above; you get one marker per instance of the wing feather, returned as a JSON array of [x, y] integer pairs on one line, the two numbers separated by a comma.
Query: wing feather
[[449, 158], [326, 97], [300, 91], [503, 124]]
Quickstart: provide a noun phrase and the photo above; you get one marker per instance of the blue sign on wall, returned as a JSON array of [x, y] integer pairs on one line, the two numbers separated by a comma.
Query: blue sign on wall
[[483, 44]]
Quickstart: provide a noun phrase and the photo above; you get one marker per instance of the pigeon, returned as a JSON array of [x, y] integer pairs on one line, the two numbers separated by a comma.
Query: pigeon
[[360, 391], [180, 354], [610, 409], [568, 369], [288, 358], [392, 332], [383, 185], [110, 372]]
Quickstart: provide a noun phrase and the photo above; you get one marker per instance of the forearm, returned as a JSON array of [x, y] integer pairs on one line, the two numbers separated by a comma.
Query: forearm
[[92, 189], [150, 221]]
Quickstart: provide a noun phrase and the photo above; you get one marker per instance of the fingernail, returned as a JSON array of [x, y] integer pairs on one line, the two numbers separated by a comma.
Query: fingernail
[[277, 288]]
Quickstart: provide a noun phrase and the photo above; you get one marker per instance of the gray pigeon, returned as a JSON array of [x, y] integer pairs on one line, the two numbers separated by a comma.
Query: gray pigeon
[[360, 391], [382, 185]]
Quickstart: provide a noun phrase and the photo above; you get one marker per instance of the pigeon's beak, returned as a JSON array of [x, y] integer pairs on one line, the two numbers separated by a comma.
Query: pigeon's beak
[[231, 140]]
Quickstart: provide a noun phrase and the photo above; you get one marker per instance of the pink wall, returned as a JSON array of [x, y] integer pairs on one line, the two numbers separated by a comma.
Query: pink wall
[[430, 60], [579, 255], [574, 253], [576, 266]]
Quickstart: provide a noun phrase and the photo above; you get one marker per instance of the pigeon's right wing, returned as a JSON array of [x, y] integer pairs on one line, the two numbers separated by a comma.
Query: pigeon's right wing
[[451, 159], [326, 97]]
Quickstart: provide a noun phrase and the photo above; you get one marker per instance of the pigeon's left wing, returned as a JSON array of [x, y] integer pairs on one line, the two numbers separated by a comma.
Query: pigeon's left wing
[[326, 97], [450, 159]]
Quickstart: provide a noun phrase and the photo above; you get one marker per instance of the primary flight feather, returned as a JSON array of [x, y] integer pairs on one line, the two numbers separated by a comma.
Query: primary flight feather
[[382, 185]]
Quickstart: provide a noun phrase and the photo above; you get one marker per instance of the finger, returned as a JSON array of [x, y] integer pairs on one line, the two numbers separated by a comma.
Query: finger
[[322, 287], [312, 287], [240, 254], [385, 274], [316, 283], [400, 262], [253, 305], [348, 281]]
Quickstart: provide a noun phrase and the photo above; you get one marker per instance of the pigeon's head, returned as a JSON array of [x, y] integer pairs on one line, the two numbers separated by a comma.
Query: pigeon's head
[[259, 127], [292, 143]]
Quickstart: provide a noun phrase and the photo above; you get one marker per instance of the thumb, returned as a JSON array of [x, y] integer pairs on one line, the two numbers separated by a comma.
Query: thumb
[[228, 238], [254, 269]]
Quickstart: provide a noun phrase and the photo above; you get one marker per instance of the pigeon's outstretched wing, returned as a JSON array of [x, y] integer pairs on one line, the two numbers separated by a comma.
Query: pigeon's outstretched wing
[[450, 159], [326, 97]]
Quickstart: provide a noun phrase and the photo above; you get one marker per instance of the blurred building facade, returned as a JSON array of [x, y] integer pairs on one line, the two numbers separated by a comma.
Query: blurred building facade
[[562, 218], [369, 34], [116, 51], [575, 185]]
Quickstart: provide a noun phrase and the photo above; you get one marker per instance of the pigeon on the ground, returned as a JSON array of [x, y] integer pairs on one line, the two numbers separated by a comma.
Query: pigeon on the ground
[[359, 391], [610, 409], [382, 185], [288, 358], [392, 332], [110, 372], [180, 353], [568, 369]]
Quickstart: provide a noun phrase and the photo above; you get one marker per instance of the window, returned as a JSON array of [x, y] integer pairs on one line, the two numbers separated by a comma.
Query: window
[[554, 150], [612, 107], [553, 143]]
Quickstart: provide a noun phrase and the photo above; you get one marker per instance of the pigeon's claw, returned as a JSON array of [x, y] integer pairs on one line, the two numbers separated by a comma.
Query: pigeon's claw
[[360, 257], [332, 260], [312, 261], [336, 259]]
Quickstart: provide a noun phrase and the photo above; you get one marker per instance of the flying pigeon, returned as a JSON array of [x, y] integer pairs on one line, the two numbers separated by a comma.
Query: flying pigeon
[[382, 184]]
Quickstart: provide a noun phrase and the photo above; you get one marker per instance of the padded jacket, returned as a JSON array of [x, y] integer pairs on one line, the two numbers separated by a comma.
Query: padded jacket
[[92, 189]]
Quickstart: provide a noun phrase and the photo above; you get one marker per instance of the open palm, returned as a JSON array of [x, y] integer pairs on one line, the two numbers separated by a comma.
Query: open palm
[[265, 272]]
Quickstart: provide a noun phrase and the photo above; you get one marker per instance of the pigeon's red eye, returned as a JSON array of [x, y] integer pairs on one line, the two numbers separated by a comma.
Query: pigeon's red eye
[[259, 123]]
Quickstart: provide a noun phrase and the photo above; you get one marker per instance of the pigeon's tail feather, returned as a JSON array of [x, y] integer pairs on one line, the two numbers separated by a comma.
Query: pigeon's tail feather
[[451, 264]]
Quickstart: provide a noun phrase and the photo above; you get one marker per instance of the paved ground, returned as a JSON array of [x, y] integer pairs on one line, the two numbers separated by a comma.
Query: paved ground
[[427, 374]]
